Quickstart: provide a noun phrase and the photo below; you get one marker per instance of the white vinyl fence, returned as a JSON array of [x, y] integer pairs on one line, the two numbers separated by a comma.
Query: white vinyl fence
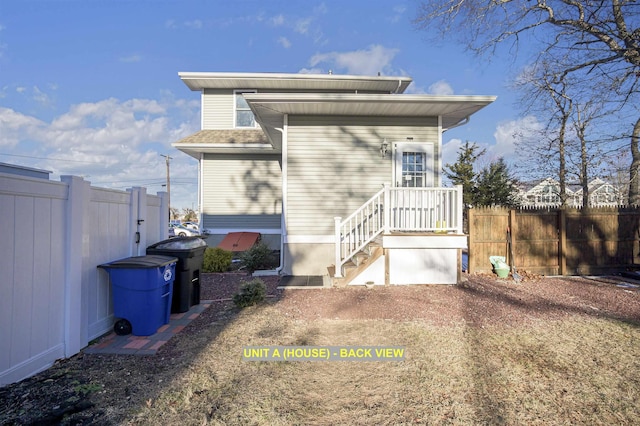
[[53, 298]]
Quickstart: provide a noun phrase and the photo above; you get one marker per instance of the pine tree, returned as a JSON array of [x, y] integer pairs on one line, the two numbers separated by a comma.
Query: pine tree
[[462, 173], [495, 186]]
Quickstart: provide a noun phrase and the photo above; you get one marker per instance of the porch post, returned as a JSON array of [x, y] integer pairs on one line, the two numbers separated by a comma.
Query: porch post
[[387, 209], [338, 272], [460, 209]]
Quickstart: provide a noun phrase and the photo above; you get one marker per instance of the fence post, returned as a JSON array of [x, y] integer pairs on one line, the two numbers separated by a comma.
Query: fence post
[[142, 219], [133, 219], [513, 229], [338, 271], [470, 266], [562, 243], [75, 299], [164, 215]]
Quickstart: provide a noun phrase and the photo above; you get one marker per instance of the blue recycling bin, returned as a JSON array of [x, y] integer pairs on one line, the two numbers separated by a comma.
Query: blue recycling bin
[[142, 287]]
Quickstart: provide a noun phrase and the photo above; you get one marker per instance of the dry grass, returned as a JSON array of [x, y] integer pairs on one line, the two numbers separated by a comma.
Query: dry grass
[[580, 370]]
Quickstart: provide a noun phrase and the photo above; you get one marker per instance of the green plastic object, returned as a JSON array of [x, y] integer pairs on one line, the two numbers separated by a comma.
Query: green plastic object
[[500, 266]]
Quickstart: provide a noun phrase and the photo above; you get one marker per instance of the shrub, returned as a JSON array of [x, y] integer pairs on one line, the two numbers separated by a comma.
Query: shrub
[[251, 293], [256, 257], [216, 260]]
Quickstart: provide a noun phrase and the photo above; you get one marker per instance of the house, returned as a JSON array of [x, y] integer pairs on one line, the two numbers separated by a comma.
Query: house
[[601, 194], [546, 193], [543, 193], [341, 173]]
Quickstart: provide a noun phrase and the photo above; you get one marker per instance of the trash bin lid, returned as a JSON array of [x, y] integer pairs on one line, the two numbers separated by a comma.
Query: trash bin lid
[[140, 262], [179, 243]]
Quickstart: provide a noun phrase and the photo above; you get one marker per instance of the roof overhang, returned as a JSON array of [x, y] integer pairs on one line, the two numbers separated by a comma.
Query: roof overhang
[[270, 108], [305, 82], [195, 149], [232, 141]]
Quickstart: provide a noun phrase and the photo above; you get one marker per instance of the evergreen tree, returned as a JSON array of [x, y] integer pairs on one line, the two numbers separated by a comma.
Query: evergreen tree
[[496, 186], [462, 173]]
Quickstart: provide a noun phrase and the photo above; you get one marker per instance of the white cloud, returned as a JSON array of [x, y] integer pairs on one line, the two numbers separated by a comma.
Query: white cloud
[[375, 59], [440, 87], [321, 9], [130, 58], [301, 26], [277, 20], [306, 26], [509, 133], [116, 143], [15, 126], [171, 24], [284, 42], [450, 151], [312, 71], [196, 24], [398, 12], [40, 97]]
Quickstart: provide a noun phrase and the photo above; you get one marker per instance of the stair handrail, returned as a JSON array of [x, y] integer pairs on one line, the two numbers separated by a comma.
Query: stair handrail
[[383, 213], [360, 228]]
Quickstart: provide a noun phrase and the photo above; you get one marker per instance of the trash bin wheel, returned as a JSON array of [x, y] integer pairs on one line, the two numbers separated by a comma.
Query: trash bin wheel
[[122, 327]]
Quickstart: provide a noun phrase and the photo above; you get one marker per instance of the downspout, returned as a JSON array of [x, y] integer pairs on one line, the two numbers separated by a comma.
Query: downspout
[[439, 165], [200, 200], [200, 169], [398, 88], [285, 170], [459, 123], [283, 130]]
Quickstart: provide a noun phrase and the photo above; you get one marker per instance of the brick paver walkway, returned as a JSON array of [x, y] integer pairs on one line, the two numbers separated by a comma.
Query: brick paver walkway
[[146, 345]]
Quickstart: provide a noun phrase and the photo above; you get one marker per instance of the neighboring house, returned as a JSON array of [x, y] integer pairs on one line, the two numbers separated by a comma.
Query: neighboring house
[[291, 155], [546, 193], [601, 194]]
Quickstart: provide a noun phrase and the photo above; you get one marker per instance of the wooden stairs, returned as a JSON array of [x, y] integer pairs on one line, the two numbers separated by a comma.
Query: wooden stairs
[[358, 263]]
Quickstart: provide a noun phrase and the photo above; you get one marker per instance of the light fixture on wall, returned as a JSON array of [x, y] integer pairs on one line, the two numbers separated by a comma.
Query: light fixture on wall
[[384, 146]]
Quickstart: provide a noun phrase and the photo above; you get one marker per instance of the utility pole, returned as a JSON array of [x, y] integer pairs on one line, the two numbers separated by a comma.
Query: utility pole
[[167, 160]]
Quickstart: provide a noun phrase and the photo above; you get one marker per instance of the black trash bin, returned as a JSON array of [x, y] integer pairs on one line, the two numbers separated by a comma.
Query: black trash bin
[[190, 254]]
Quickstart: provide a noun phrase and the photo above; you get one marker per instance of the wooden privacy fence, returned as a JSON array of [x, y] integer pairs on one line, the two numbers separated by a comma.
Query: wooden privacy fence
[[571, 241]]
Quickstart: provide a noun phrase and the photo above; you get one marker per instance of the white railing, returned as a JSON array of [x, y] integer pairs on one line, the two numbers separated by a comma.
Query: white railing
[[437, 210]]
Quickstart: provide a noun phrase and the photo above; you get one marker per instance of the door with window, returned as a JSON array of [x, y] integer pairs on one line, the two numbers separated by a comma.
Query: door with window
[[413, 209], [413, 165]]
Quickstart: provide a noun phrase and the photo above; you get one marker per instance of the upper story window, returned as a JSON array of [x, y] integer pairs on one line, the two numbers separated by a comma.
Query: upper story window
[[243, 114]]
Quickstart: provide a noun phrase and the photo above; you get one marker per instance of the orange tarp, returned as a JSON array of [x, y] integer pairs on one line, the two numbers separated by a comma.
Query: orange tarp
[[239, 241]]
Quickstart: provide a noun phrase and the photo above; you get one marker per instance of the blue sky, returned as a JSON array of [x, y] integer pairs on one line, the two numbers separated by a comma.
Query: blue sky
[[91, 87]]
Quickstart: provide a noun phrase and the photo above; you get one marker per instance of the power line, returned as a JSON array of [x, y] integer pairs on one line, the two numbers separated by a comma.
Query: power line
[[51, 158]]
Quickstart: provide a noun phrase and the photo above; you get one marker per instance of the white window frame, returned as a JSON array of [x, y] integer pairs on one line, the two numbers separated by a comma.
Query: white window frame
[[236, 92]]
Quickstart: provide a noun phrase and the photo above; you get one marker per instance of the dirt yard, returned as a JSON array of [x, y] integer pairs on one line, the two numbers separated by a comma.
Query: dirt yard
[[489, 351]]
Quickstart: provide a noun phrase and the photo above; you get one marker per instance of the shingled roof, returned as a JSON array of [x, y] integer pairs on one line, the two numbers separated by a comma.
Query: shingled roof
[[220, 137]]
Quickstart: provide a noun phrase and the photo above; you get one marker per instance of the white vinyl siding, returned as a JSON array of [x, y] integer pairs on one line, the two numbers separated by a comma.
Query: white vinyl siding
[[334, 165], [242, 191], [217, 109]]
